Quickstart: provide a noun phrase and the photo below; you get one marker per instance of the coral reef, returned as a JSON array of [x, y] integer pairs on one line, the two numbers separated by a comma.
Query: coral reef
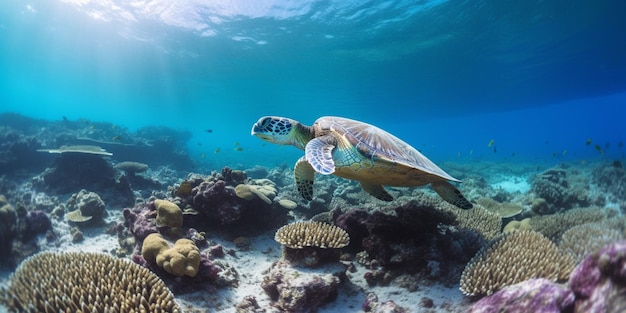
[[581, 240], [561, 189], [88, 282], [504, 210], [181, 259], [86, 208], [534, 295], [293, 290], [611, 179], [513, 258], [479, 219], [553, 226], [599, 282]]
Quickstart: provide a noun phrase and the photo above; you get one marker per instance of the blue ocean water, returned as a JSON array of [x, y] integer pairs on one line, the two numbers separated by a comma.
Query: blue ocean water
[[539, 78]]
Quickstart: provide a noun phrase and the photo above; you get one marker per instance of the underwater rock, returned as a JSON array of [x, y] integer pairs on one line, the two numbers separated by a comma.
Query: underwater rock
[[88, 204], [599, 282], [293, 290], [535, 295], [8, 223], [71, 172], [372, 305], [18, 151]]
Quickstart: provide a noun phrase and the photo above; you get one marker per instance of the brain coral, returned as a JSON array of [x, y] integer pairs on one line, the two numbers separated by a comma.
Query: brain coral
[[85, 282], [312, 234], [181, 259], [512, 258]]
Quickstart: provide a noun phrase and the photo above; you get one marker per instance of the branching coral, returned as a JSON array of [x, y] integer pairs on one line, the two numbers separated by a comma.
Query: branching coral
[[585, 239], [553, 226], [85, 282], [513, 258], [478, 219], [312, 234]]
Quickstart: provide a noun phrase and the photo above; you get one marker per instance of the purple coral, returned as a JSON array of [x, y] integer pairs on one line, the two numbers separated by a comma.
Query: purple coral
[[599, 282], [140, 220], [534, 295], [217, 201]]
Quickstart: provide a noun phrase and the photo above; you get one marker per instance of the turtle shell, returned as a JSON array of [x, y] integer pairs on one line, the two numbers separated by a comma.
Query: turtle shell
[[377, 144]]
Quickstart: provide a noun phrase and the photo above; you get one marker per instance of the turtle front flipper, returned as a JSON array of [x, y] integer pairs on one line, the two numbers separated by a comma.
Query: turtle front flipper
[[451, 195], [319, 153], [378, 191], [304, 175]]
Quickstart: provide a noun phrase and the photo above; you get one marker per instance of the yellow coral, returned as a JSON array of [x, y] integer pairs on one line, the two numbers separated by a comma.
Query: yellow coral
[[513, 258], [168, 214], [517, 225], [181, 259]]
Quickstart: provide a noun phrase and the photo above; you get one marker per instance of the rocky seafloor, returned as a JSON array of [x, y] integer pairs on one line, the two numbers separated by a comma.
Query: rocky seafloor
[[242, 240]]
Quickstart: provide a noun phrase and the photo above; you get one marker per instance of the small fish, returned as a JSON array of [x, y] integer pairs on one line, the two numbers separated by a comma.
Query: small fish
[[599, 149], [91, 127], [620, 144], [208, 130], [513, 154], [236, 143], [116, 138], [458, 154], [494, 149], [239, 149], [554, 154], [588, 142], [200, 144], [217, 150], [65, 118], [471, 152], [203, 155], [564, 152], [491, 143]]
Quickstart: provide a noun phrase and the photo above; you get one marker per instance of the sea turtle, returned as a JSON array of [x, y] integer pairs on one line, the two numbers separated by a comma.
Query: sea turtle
[[358, 151]]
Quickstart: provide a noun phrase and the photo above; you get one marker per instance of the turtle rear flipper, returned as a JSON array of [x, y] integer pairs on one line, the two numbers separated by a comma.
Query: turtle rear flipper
[[377, 191], [304, 175], [451, 195]]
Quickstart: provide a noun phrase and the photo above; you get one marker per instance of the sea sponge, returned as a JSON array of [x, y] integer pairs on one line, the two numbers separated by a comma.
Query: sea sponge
[[183, 259], [512, 258], [168, 214], [85, 282], [312, 234]]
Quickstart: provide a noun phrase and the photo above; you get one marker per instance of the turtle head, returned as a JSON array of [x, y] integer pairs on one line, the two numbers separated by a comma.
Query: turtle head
[[281, 130]]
